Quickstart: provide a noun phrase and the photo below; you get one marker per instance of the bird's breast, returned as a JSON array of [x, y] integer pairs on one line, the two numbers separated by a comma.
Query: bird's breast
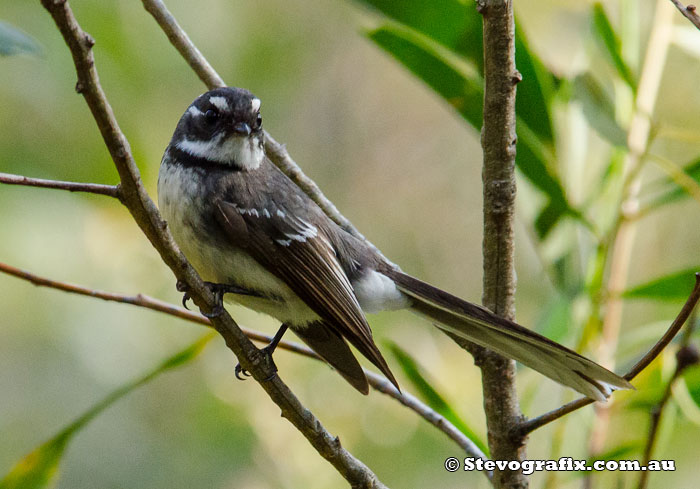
[[186, 203]]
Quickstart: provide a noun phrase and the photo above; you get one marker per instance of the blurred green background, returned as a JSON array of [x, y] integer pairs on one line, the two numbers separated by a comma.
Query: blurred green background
[[394, 158]]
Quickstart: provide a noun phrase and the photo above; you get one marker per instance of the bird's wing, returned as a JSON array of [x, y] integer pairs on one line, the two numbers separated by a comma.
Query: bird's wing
[[301, 255]]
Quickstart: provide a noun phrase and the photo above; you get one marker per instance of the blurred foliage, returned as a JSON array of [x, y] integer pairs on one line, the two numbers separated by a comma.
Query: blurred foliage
[[432, 397], [673, 287], [415, 43], [13, 41], [38, 469], [359, 125]]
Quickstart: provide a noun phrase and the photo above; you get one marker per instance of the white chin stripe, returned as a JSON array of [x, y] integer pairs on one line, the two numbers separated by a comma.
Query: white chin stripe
[[238, 151], [220, 103], [255, 104]]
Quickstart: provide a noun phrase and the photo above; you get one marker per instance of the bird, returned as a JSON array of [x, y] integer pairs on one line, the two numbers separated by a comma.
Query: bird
[[259, 241]]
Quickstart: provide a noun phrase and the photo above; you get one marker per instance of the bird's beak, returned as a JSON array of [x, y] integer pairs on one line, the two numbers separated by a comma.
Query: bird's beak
[[241, 128]]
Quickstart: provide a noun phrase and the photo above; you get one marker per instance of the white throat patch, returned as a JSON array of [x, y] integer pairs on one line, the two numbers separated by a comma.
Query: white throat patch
[[243, 152]]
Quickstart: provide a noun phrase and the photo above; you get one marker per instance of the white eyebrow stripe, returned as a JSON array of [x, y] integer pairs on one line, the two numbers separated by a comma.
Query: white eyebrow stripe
[[220, 103], [255, 104], [194, 111]]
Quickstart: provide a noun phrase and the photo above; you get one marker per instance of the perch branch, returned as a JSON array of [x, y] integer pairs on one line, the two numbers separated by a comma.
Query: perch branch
[[378, 382], [643, 363], [92, 188], [146, 215]]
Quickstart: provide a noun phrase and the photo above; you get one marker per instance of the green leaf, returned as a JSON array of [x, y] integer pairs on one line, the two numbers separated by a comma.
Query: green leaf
[[556, 318], [598, 109], [535, 91], [672, 191], [451, 23], [458, 27], [691, 377], [13, 41], [617, 453], [464, 93], [611, 43], [674, 287], [39, 468], [431, 396]]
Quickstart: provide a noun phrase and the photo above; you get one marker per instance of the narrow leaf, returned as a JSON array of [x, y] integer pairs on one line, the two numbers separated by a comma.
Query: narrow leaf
[[535, 91], [458, 27], [13, 41], [691, 377], [611, 43], [462, 92], [451, 23], [673, 287], [598, 109], [39, 468], [431, 396], [465, 94], [671, 190]]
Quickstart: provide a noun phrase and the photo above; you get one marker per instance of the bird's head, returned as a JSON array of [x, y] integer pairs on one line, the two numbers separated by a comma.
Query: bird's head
[[222, 126]]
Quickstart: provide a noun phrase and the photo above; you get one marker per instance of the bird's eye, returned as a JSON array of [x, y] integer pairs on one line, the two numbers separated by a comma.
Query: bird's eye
[[211, 116], [258, 122]]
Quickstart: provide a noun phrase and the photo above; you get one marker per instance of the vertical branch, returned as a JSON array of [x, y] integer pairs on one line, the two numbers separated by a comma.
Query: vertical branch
[[498, 140]]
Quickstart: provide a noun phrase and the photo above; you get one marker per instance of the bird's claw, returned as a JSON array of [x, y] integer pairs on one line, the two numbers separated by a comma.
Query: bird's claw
[[267, 353], [215, 312], [180, 286], [240, 370]]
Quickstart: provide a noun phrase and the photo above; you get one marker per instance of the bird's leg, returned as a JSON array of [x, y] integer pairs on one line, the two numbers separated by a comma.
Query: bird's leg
[[218, 290], [267, 351]]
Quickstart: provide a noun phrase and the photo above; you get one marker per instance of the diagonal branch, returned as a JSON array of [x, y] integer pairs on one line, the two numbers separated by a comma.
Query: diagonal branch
[[676, 325], [688, 12], [379, 383], [92, 188], [146, 215]]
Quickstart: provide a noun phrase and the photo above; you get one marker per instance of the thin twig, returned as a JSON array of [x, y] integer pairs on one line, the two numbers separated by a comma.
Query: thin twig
[[179, 38], [92, 188], [378, 382], [688, 12], [686, 356], [655, 421], [146, 215], [643, 363]]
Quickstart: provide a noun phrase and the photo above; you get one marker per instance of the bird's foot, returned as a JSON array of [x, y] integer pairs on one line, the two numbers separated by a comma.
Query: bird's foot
[[267, 355], [218, 290]]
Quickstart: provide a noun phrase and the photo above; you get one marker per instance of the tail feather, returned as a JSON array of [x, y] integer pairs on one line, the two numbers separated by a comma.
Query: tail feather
[[330, 346], [484, 328]]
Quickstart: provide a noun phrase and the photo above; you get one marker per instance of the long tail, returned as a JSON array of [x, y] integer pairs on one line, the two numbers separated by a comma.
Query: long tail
[[484, 328]]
